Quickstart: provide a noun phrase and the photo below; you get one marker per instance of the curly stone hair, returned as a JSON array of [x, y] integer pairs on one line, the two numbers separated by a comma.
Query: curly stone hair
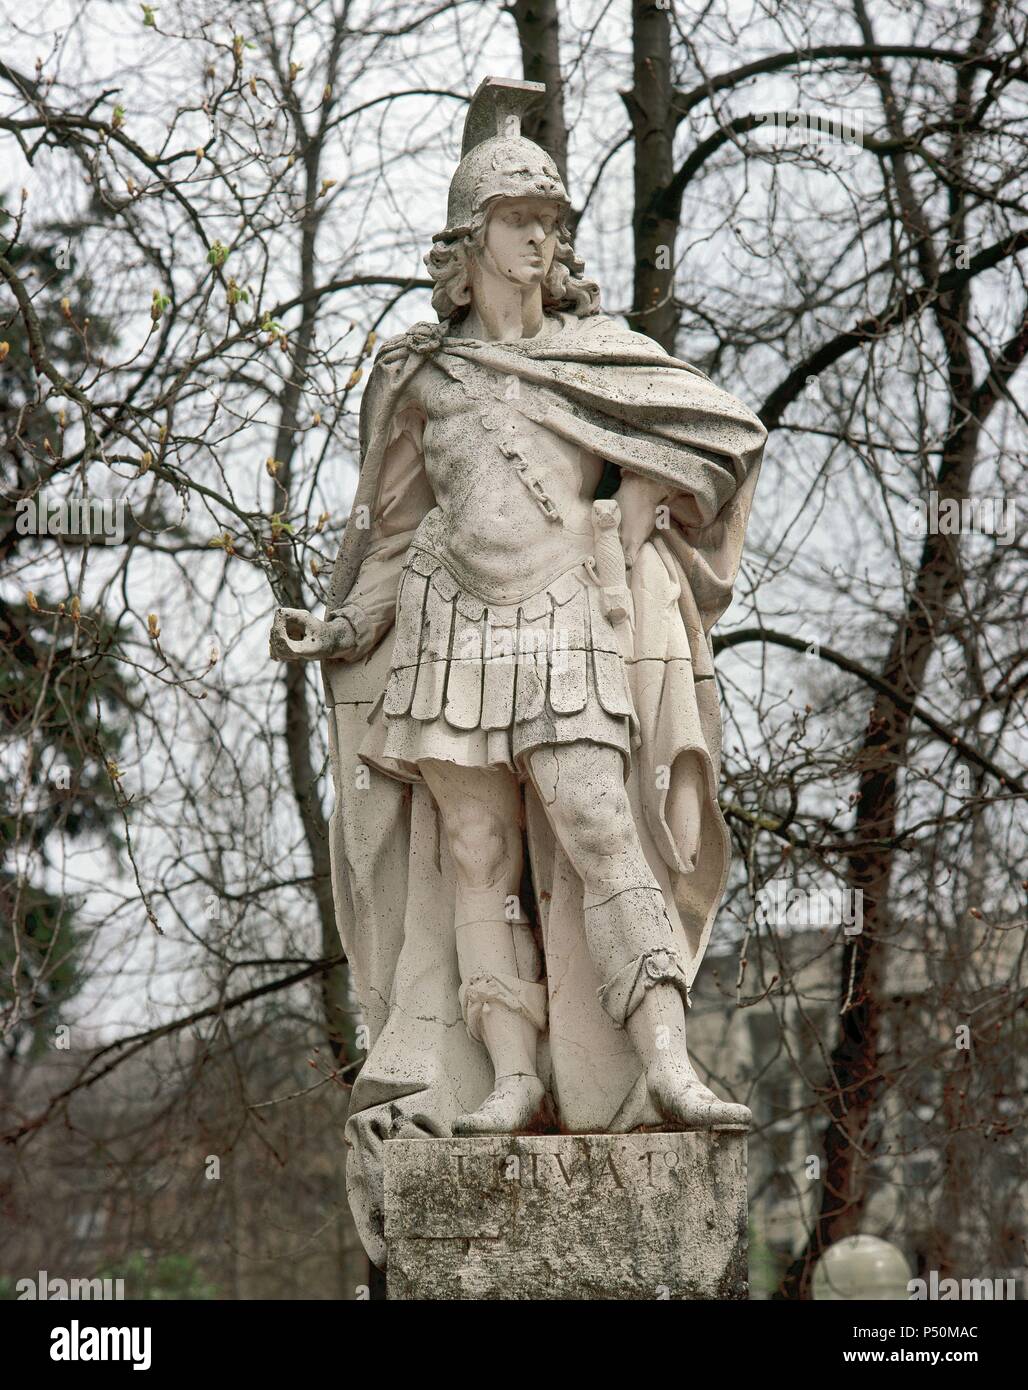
[[564, 287]]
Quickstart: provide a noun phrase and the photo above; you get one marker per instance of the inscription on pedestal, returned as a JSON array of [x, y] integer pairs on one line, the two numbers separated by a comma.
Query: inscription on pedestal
[[659, 1216]]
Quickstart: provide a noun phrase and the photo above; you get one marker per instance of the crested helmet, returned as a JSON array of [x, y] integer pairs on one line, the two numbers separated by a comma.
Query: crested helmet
[[497, 161]]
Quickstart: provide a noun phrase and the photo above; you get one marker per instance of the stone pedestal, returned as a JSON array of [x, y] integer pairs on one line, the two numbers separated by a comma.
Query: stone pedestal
[[616, 1216]]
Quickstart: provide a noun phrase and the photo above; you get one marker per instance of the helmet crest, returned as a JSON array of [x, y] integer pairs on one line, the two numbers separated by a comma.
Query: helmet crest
[[497, 160]]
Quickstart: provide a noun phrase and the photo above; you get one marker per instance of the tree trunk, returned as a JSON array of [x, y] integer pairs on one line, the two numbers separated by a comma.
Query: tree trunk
[[856, 1076], [539, 36], [655, 218], [335, 983]]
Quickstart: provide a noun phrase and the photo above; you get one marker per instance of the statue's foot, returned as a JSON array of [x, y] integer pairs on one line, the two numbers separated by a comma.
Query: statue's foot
[[682, 1099], [513, 1106]]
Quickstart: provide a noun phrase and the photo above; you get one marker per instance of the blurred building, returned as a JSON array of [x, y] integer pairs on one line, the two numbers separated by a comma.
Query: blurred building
[[949, 1170]]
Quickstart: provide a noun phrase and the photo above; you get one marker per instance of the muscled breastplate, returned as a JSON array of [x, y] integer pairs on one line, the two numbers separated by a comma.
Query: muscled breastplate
[[514, 500]]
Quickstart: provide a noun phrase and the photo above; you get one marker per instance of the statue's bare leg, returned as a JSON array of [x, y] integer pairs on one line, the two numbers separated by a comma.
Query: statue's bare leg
[[501, 997], [629, 933]]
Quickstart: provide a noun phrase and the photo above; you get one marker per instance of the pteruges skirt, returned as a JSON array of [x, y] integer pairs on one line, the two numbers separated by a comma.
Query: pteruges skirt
[[481, 684]]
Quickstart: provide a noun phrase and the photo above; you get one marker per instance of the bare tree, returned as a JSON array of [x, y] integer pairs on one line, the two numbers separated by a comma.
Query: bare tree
[[825, 210]]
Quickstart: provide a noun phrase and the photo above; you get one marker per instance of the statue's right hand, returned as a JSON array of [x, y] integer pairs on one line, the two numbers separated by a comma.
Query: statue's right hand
[[297, 635]]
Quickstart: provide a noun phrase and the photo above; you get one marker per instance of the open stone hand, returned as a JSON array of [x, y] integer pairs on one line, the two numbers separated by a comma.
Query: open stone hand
[[297, 635]]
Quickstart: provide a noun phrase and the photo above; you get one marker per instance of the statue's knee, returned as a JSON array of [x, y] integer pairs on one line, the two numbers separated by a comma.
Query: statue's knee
[[484, 849], [599, 828]]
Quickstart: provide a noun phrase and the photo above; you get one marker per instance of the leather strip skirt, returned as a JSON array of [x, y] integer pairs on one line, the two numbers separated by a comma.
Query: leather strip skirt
[[483, 684]]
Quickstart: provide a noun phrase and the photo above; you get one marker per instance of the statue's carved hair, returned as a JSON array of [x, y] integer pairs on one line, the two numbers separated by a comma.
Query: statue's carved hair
[[565, 286]]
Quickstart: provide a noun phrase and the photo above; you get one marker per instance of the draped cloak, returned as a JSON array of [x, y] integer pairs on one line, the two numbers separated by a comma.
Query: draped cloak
[[621, 397]]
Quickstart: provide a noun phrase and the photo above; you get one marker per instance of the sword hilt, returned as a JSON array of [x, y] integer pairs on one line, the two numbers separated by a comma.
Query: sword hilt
[[611, 569]]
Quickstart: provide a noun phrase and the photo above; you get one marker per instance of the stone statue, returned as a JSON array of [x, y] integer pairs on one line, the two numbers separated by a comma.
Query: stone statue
[[527, 848]]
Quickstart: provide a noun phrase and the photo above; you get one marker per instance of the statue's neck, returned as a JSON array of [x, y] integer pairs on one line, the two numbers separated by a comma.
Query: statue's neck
[[503, 313]]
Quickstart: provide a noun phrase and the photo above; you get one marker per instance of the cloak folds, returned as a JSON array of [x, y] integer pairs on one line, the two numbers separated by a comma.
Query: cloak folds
[[622, 397]]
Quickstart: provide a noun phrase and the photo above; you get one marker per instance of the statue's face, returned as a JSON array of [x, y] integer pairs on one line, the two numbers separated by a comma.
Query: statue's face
[[520, 239]]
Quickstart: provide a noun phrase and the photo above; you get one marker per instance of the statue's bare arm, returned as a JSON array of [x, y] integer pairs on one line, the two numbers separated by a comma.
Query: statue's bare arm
[[405, 497], [354, 629]]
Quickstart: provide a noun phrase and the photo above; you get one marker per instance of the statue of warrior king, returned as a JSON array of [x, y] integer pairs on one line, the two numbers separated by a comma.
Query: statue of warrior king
[[527, 848]]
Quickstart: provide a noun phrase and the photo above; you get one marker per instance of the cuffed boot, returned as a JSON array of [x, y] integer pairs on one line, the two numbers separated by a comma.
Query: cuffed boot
[[647, 993], [504, 1008]]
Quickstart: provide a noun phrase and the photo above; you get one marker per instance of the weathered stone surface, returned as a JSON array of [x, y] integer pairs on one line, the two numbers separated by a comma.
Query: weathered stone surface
[[521, 687], [605, 1216]]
